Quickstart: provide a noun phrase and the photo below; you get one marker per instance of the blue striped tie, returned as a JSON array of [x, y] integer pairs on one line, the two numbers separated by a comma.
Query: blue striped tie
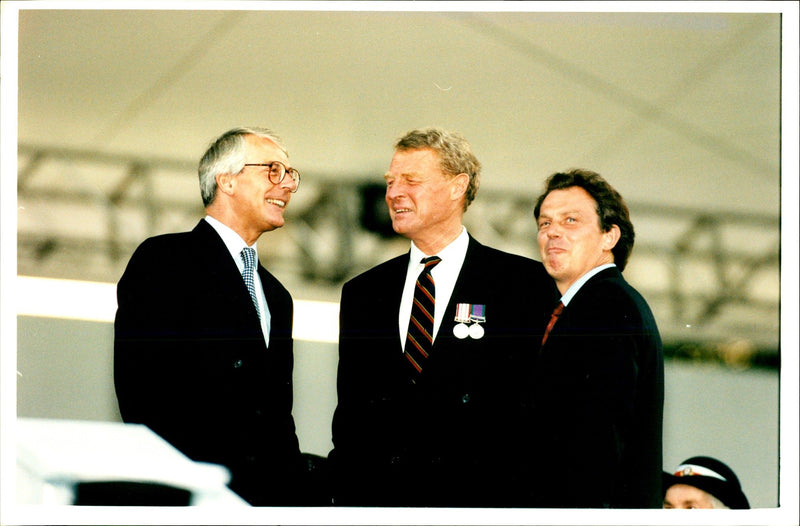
[[420, 327], [249, 257]]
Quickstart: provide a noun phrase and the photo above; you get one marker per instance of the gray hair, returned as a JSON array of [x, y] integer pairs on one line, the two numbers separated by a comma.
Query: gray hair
[[226, 155], [454, 151]]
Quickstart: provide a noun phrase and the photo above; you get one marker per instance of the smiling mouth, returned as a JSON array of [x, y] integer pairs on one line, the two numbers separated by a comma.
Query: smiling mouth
[[277, 202], [401, 210]]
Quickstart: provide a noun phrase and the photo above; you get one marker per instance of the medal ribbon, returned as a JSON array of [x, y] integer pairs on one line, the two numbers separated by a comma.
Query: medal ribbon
[[478, 313], [462, 312]]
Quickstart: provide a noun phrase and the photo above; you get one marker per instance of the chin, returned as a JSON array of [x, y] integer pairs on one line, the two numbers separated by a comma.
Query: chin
[[555, 272], [398, 229], [273, 225], [277, 222]]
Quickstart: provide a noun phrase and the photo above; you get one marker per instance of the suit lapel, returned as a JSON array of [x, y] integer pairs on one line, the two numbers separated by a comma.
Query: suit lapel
[[213, 252], [587, 290], [220, 274], [279, 305], [464, 289], [585, 300], [468, 276], [395, 279]]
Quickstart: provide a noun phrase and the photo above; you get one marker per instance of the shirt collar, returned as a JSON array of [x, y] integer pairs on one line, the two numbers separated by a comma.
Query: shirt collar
[[232, 240], [575, 287], [456, 250]]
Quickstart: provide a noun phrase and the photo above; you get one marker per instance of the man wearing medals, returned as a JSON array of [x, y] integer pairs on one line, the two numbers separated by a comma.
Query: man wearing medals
[[428, 410]]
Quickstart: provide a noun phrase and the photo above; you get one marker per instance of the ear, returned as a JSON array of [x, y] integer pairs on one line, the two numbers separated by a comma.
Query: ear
[[459, 185], [611, 237], [225, 183]]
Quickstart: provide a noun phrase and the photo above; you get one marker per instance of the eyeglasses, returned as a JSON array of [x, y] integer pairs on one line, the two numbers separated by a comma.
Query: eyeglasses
[[276, 171]]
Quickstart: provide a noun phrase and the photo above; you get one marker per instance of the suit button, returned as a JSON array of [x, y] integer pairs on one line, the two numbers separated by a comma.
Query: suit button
[[237, 364], [465, 398]]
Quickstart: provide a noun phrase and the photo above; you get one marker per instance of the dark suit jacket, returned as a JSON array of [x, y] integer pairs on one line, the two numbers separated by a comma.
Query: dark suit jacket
[[191, 363], [445, 440], [598, 402]]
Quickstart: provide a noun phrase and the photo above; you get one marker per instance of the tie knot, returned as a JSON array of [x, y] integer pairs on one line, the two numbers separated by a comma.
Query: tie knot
[[559, 309], [249, 257], [431, 262]]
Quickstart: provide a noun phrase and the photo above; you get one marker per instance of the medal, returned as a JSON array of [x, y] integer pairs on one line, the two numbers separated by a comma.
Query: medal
[[461, 330], [476, 331], [467, 313], [477, 315]]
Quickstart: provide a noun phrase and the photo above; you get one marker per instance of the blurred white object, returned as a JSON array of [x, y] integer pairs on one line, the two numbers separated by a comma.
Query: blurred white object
[[53, 456]]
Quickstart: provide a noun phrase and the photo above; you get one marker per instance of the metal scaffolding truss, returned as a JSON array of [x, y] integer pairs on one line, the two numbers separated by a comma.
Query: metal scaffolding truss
[[711, 277]]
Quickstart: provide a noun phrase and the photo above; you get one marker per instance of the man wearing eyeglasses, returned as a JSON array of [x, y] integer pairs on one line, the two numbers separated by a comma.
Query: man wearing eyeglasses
[[203, 332]]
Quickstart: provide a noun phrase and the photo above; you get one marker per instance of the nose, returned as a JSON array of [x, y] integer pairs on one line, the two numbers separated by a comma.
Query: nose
[[393, 190], [553, 231], [290, 183]]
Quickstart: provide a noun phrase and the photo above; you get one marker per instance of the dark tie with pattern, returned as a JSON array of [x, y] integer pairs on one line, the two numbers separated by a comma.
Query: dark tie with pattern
[[553, 318], [249, 257], [420, 328]]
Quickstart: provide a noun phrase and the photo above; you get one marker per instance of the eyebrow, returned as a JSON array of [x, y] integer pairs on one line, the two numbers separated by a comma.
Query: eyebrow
[[404, 175], [265, 164], [568, 212]]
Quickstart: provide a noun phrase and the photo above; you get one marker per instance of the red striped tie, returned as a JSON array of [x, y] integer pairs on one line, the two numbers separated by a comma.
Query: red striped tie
[[420, 328], [553, 318]]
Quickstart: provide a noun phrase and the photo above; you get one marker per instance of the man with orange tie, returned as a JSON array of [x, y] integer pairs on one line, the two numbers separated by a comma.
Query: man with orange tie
[[429, 346], [598, 383]]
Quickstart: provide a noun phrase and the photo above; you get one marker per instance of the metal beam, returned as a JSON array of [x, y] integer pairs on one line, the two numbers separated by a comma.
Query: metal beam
[[330, 240]]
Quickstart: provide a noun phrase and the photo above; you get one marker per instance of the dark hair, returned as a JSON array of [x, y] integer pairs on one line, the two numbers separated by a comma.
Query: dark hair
[[611, 207], [455, 154]]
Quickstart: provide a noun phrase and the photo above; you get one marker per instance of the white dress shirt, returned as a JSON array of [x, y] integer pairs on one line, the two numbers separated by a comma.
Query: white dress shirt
[[445, 274], [235, 244]]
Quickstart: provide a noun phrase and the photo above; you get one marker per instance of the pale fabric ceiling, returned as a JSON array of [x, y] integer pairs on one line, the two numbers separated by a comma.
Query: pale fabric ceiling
[[679, 110]]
